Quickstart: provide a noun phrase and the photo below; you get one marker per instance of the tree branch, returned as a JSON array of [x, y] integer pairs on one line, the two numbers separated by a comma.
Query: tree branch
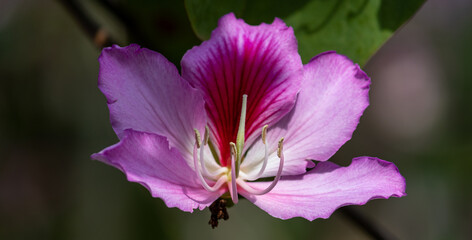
[[366, 224], [132, 28], [98, 35]]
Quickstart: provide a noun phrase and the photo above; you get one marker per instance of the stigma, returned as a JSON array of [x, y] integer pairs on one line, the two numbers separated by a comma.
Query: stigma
[[231, 174]]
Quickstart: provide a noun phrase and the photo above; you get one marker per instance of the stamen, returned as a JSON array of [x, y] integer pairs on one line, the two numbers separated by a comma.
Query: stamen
[[281, 148], [264, 133], [202, 157], [266, 155], [241, 132], [233, 187], [233, 148], [205, 185], [206, 136], [198, 141], [251, 190], [202, 150]]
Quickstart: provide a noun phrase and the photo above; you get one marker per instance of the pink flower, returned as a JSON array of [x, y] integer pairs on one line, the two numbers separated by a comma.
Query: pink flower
[[244, 108]]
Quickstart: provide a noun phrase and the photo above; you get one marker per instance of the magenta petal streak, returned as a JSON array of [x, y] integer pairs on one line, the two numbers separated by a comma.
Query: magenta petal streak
[[333, 96], [327, 187], [260, 61]]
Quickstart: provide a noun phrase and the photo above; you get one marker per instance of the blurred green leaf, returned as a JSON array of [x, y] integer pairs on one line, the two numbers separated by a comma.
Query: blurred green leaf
[[393, 14], [204, 14], [356, 28]]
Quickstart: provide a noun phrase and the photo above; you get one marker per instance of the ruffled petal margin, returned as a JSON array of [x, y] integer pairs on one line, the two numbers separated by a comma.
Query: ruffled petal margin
[[145, 92], [327, 187], [146, 158], [260, 61], [333, 97]]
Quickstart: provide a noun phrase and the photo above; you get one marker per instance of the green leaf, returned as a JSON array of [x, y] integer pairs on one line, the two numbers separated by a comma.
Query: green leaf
[[204, 14], [394, 13], [348, 27], [355, 28]]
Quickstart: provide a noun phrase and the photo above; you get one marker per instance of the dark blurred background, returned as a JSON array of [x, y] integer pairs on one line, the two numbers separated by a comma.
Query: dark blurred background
[[52, 117]]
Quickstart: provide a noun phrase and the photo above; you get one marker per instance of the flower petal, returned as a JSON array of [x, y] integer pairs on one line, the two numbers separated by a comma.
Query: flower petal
[[260, 61], [145, 92], [327, 187], [333, 96], [146, 158]]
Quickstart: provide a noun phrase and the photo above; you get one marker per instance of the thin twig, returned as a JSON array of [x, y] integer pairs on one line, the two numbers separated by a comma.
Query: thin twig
[[98, 35], [369, 227], [128, 22]]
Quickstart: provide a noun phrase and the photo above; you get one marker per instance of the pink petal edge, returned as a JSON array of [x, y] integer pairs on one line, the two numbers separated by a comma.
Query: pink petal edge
[[147, 159], [145, 92], [327, 187]]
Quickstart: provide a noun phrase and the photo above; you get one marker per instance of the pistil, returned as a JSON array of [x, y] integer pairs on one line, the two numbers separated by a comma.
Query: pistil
[[240, 135], [231, 176]]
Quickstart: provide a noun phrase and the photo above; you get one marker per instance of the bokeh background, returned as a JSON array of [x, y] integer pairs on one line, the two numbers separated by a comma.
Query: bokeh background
[[52, 117]]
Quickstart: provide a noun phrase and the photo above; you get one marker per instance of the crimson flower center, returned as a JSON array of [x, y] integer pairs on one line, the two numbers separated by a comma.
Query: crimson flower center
[[230, 174]]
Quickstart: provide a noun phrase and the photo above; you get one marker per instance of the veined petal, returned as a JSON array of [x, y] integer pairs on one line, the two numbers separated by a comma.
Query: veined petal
[[327, 187], [145, 92], [260, 61], [147, 159], [333, 96]]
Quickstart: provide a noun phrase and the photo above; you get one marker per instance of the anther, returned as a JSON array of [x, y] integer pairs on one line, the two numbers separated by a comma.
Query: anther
[[233, 148], [280, 147], [198, 141], [206, 136], [264, 133]]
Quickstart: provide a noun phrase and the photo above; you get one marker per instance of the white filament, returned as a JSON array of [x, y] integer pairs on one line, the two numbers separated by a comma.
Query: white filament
[[205, 185], [233, 186], [251, 190], [201, 145], [264, 164]]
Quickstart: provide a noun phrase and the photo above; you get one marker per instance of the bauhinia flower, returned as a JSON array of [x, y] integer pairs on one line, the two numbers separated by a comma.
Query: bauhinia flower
[[244, 110]]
